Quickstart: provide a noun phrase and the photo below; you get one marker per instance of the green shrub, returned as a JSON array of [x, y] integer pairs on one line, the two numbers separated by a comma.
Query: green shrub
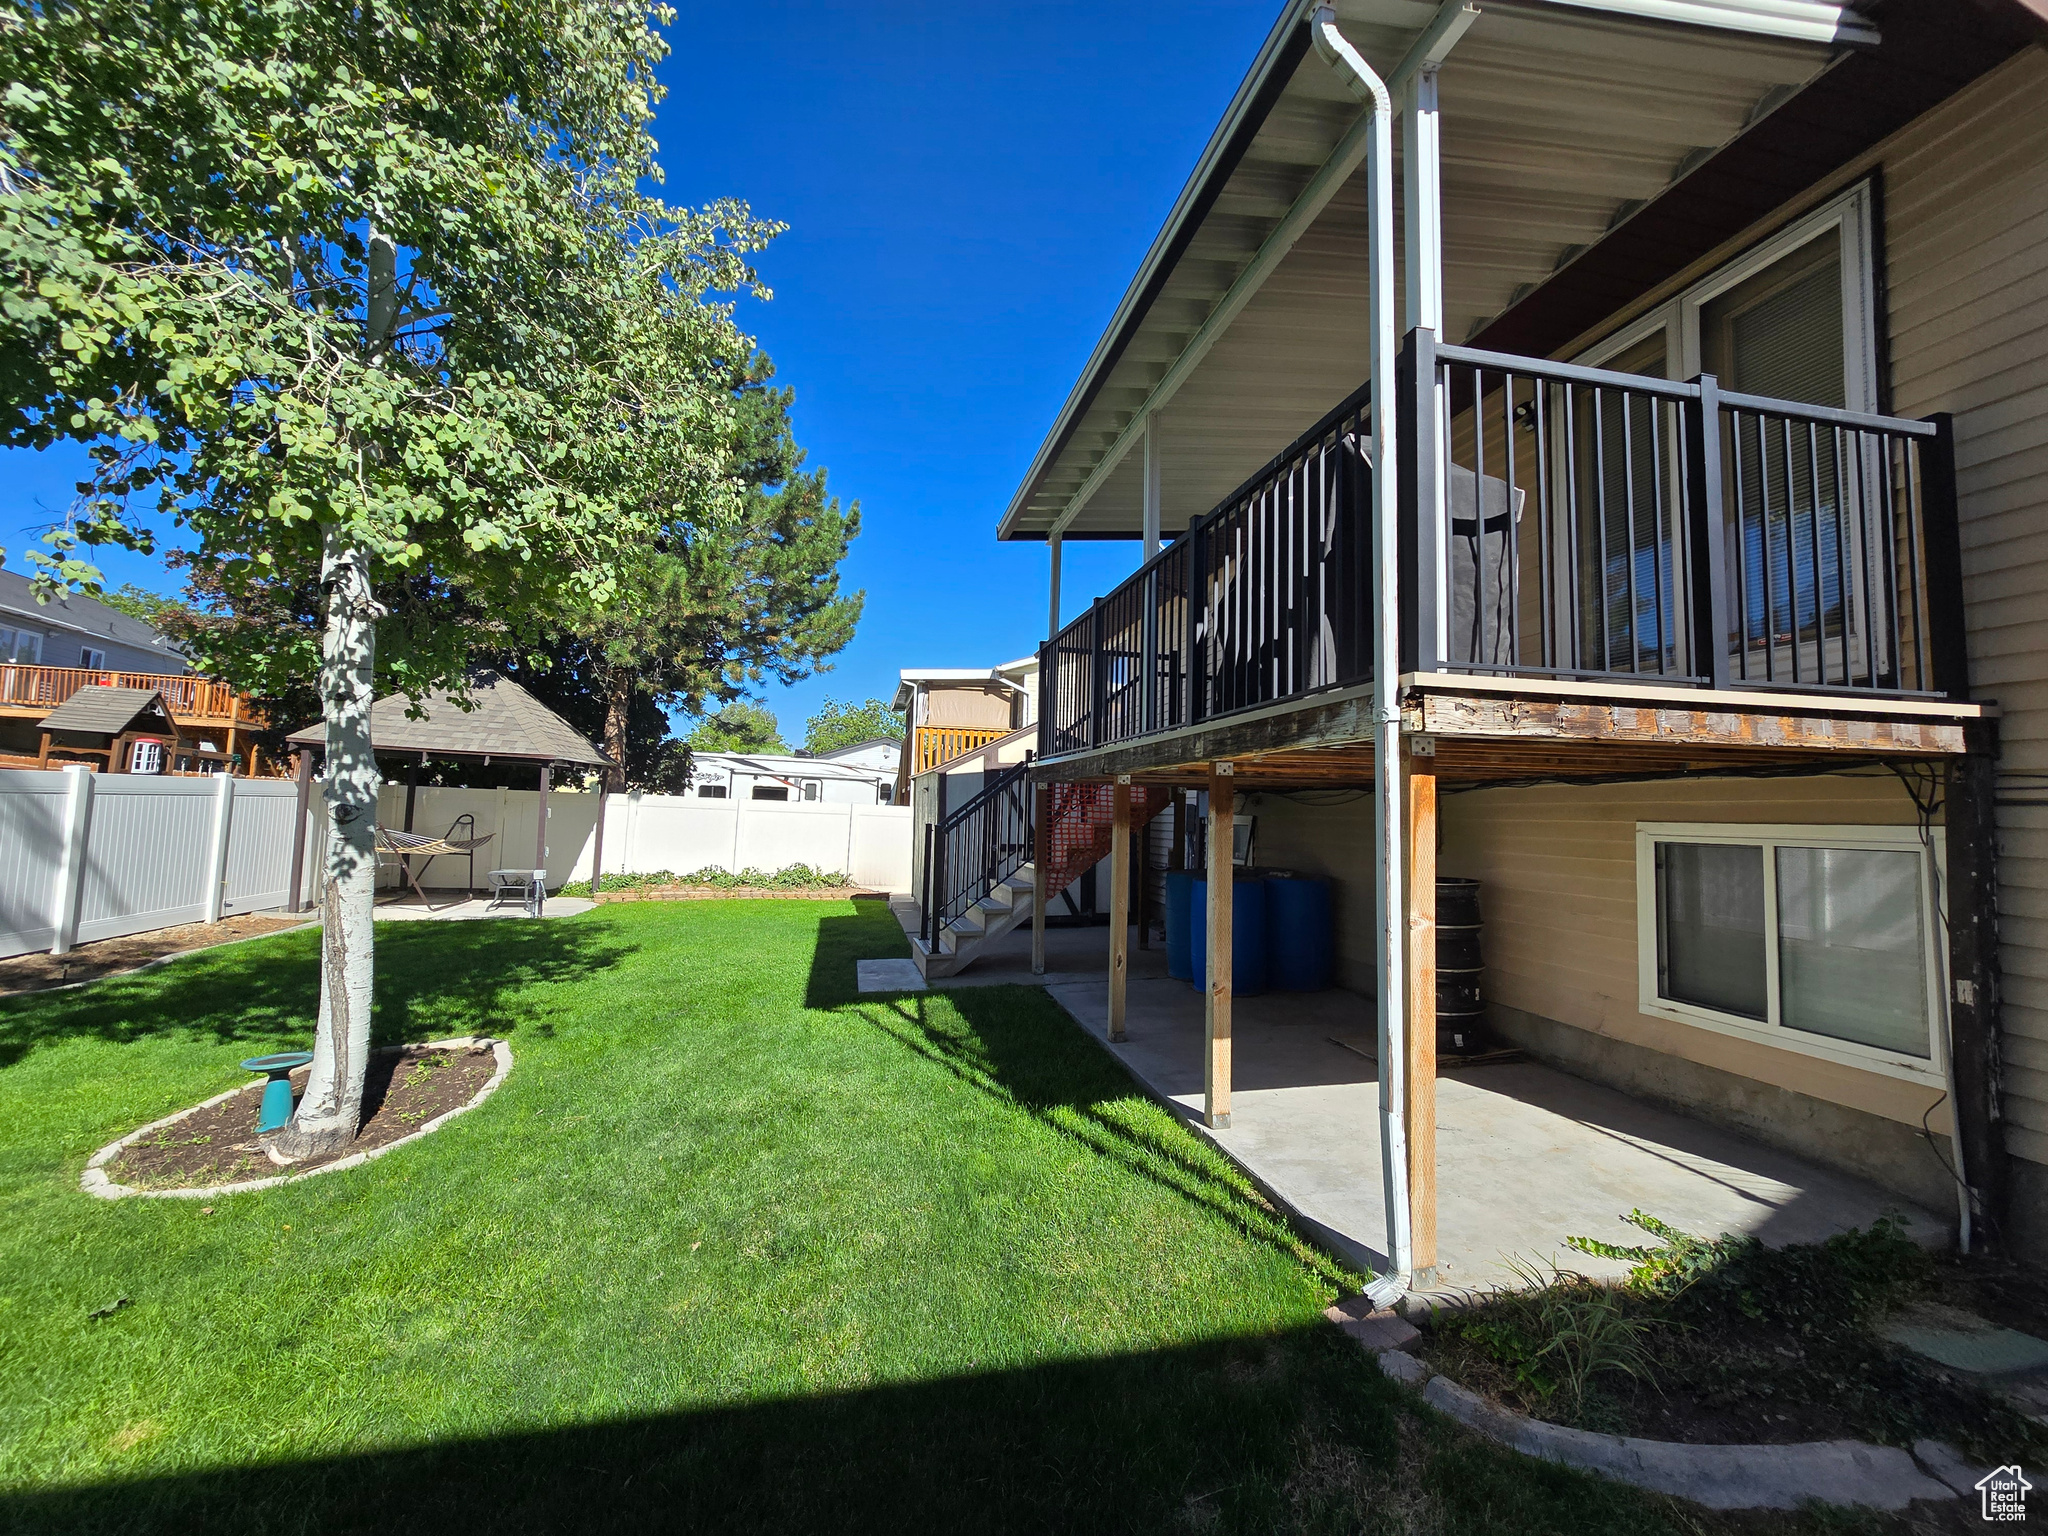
[[1555, 1336], [1810, 1289], [794, 877]]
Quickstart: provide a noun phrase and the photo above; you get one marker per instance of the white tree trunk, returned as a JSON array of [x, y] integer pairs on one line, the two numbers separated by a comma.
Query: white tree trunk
[[330, 1111]]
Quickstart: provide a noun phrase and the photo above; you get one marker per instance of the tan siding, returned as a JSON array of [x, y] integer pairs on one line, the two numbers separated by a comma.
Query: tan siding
[[1558, 872], [1966, 192]]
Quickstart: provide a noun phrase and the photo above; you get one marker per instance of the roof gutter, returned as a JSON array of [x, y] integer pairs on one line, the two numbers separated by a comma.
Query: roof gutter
[[1359, 79]]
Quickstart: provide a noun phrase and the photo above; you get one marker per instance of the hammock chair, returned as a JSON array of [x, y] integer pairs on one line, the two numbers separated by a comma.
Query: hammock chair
[[407, 846]]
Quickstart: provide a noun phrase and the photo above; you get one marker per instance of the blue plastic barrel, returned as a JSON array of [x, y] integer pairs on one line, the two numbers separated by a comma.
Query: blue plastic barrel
[[1299, 935], [1180, 902], [1247, 936]]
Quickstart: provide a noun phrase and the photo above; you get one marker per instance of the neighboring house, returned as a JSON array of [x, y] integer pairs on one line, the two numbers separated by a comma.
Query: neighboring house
[[78, 631], [1710, 633], [882, 754], [50, 651], [951, 711], [776, 776]]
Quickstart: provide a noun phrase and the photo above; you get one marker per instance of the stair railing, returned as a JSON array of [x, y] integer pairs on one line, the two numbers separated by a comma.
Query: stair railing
[[971, 851]]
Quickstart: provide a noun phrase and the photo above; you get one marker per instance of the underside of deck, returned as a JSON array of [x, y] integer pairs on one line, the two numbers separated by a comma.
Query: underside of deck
[[1482, 730]]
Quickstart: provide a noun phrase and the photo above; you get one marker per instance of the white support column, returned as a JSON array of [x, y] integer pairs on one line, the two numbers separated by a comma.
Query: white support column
[[1423, 229], [1152, 511], [1052, 621], [1422, 187], [217, 846], [70, 880]]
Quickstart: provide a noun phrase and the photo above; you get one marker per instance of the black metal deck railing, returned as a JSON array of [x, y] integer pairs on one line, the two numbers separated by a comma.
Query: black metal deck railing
[[1264, 599], [1556, 522], [1591, 524], [970, 851]]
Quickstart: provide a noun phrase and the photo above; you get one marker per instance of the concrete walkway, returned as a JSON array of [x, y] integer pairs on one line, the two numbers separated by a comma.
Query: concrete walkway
[[1526, 1155]]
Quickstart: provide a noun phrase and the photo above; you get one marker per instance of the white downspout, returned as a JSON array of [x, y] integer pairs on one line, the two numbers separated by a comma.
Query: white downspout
[[1359, 78]]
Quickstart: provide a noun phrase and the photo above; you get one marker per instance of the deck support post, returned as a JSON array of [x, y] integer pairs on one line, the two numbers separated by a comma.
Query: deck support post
[[540, 831], [1420, 1037], [604, 790], [297, 901], [1119, 903], [1974, 984], [1041, 857], [1216, 960]]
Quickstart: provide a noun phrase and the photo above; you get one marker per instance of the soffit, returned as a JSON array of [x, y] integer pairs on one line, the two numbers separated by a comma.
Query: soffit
[[1556, 121]]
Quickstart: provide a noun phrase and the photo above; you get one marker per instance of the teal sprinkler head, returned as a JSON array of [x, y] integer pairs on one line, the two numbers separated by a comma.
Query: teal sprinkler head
[[277, 1093]]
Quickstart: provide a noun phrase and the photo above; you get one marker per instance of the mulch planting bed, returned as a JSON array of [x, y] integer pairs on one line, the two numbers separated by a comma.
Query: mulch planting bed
[[404, 1089], [104, 957], [751, 892], [1733, 1344]]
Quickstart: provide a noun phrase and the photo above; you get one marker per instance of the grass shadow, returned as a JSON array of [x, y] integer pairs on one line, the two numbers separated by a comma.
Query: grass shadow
[[869, 932], [1015, 1044], [1290, 1432], [432, 979]]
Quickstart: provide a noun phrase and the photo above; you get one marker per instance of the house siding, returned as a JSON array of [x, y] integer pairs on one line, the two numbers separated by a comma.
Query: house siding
[[1967, 252], [1557, 867]]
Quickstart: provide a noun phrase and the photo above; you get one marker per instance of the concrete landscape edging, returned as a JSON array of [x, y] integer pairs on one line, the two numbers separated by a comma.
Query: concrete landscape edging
[[96, 1183], [1837, 1472]]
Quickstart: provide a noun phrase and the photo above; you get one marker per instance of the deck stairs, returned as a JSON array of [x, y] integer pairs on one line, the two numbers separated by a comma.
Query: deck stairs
[[990, 899]]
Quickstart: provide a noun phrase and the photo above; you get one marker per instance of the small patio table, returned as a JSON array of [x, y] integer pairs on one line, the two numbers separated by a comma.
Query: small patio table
[[525, 885]]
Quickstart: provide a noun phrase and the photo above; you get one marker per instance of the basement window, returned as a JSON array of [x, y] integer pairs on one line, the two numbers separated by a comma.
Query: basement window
[[1822, 940]]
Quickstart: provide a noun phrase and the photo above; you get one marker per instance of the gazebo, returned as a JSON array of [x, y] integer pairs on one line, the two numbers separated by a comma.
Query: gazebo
[[504, 721]]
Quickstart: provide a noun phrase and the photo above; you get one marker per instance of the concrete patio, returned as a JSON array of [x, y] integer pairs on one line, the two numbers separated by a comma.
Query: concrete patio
[[1526, 1155], [456, 906]]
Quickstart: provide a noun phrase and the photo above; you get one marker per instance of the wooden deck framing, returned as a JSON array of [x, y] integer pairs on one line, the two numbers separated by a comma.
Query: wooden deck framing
[[1509, 730]]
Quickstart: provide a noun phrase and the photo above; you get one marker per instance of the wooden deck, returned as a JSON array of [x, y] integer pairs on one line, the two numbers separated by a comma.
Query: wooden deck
[[1483, 730], [28, 692]]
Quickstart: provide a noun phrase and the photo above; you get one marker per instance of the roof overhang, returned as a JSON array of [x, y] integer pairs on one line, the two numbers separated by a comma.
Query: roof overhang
[[1560, 119]]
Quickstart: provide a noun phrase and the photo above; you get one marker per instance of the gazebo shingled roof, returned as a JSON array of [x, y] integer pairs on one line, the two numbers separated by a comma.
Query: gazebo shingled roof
[[506, 721]]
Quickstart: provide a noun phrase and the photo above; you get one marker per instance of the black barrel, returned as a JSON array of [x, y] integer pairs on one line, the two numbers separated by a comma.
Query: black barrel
[[1460, 1004]]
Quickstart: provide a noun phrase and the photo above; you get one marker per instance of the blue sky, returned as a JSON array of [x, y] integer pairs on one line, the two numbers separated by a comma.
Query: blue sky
[[968, 190]]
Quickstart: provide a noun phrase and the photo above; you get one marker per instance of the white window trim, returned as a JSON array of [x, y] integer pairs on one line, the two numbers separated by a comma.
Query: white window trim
[[1679, 317], [1931, 1070]]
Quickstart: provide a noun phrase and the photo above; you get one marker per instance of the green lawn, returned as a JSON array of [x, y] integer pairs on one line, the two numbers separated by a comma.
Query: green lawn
[[732, 1249]]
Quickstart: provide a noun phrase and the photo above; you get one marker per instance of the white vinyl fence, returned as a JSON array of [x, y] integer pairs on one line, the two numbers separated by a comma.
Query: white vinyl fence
[[88, 856], [644, 833]]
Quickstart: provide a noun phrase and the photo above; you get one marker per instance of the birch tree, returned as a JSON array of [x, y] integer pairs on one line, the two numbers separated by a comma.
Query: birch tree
[[373, 288]]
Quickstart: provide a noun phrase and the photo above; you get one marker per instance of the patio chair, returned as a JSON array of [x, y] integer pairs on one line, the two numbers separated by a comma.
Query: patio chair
[[407, 846]]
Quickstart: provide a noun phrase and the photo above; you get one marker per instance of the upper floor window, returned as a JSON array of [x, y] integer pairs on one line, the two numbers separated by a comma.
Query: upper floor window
[[1793, 317], [91, 659], [21, 645]]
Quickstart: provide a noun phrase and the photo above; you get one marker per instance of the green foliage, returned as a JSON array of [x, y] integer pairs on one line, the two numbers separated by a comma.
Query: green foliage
[[1802, 1288], [845, 725], [1555, 1335], [289, 267], [741, 726], [165, 615], [791, 877], [705, 610]]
